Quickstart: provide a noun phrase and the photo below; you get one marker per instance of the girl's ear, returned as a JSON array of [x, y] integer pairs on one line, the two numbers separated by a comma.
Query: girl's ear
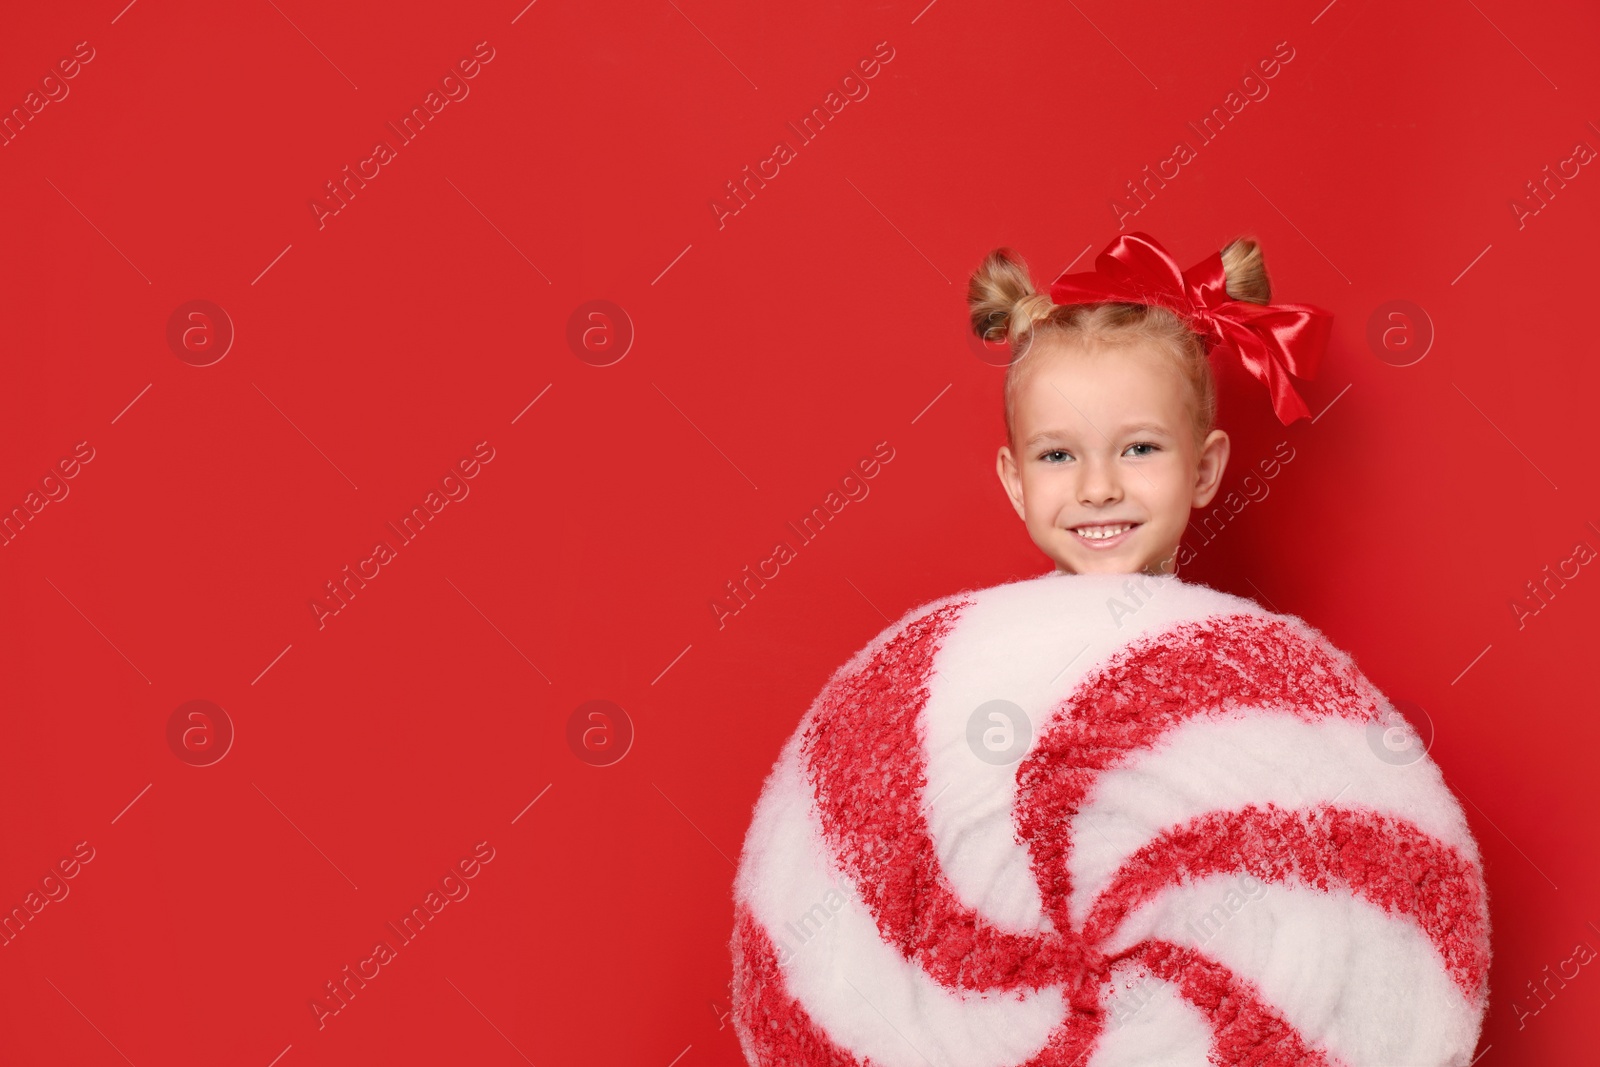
[[1011, 479], [1213, 461]]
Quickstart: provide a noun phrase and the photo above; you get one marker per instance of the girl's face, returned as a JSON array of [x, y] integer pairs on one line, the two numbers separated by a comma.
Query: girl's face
[[1105, 442]]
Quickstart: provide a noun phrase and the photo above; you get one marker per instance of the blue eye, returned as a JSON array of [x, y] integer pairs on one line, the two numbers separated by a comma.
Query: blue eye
[[1063, 452]]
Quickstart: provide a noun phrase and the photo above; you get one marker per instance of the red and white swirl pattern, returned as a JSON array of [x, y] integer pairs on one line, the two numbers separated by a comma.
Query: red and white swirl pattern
[[1199, 859]]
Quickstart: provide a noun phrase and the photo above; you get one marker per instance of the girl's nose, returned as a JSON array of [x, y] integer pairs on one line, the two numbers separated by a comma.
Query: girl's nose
[[1098, 483]]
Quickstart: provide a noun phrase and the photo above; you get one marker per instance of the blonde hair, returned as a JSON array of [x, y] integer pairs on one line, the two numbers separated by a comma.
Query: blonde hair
[[1005, 306]]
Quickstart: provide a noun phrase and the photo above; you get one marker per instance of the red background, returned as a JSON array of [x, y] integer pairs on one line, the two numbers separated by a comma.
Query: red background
[[771, 354]]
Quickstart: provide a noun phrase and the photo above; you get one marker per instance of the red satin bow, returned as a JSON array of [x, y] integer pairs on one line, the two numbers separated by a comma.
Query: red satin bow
[[1273, 341]]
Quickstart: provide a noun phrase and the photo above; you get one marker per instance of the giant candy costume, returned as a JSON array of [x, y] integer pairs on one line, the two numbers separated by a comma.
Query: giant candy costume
[[1196, 850]]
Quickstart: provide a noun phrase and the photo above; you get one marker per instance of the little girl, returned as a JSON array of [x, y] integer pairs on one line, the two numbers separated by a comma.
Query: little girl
[[1013, 831], [1110, 402]]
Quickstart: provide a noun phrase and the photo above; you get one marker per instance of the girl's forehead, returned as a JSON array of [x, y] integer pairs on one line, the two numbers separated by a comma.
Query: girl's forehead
[[1101, 393], [1107, 379]]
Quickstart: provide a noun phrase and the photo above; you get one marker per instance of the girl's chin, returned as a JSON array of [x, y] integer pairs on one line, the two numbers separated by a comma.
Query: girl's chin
[[1109, 567]]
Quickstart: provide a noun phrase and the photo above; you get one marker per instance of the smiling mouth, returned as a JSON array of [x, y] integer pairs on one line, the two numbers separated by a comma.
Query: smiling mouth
[[1104, 535]]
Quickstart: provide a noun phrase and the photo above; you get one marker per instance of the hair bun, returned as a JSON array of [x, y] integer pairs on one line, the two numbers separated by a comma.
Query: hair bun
[[1246, 271], [1001, 300]]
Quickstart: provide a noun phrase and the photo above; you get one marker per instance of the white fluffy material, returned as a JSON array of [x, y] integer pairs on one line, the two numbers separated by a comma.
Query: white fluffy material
[[1365, 987], [869, 997]]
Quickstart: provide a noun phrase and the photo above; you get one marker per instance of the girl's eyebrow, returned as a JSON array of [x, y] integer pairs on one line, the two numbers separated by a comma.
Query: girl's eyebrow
[[1146, 427]]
